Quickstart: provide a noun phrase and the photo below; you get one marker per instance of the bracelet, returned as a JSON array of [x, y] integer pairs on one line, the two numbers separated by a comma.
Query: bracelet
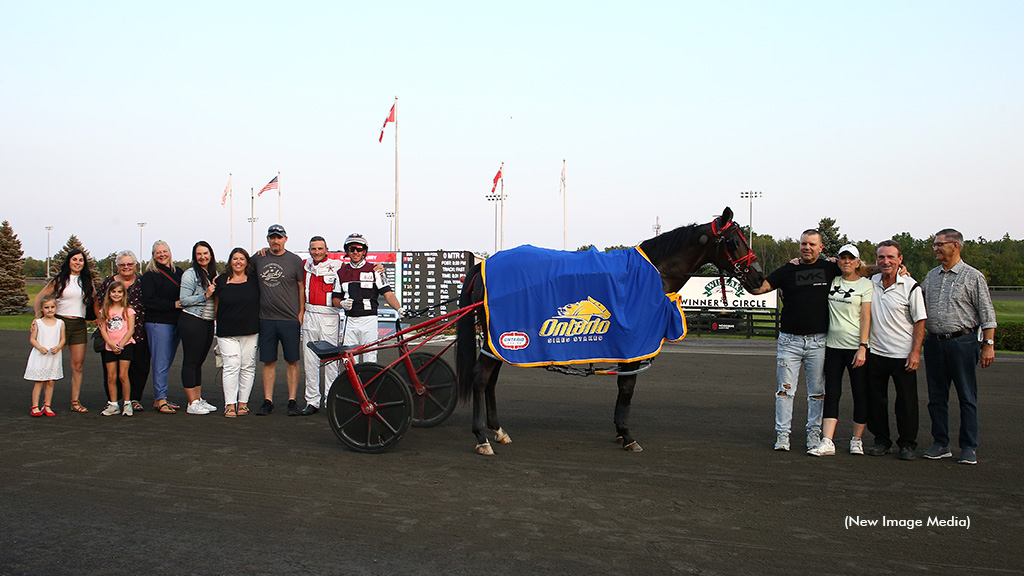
[[864, 345]]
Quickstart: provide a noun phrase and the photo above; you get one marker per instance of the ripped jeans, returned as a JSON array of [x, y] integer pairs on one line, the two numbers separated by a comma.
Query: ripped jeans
[[795, 351]]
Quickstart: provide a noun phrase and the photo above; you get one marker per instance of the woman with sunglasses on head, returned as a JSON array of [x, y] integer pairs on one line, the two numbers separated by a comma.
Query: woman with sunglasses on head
[[161, 285]]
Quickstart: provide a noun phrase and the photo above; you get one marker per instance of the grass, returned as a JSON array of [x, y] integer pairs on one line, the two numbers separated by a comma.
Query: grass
[[1009, 310]]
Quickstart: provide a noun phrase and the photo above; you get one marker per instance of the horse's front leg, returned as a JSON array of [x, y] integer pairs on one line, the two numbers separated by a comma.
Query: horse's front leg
[[622, 408], [483, 391]]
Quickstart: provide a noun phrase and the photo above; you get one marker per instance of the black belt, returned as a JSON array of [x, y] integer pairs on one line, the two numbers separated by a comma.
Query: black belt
[[952, 335]]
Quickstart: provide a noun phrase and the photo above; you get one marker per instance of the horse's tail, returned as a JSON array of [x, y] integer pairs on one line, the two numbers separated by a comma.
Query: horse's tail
[[465, 333]]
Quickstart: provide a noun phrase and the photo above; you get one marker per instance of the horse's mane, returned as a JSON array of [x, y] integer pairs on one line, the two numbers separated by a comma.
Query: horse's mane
[[665, 245]]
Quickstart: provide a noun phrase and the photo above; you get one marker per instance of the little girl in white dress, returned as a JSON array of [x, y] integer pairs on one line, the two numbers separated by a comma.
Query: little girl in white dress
[[45, 362]]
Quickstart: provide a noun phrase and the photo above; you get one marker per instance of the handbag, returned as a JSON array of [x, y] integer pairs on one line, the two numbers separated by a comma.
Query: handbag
[[98, 345]]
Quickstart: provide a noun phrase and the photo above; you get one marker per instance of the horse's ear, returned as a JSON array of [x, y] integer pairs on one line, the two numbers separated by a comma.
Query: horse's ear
[[727, 215]]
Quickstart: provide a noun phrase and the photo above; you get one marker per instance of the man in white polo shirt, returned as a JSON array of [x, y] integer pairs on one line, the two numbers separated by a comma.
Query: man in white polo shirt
[[897, 332]]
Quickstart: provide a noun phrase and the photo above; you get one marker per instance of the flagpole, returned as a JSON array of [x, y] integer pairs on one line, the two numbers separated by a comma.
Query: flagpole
[[502, 205], [252, 219], [565, 243], [280, 219], [396, 173]]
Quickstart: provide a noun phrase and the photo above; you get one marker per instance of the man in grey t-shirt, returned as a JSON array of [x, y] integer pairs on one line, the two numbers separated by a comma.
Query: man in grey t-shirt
[[282, 307]]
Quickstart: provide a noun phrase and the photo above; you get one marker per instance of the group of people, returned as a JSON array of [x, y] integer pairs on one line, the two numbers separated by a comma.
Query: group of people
[[838, 316], [872, 322], [262, 302]]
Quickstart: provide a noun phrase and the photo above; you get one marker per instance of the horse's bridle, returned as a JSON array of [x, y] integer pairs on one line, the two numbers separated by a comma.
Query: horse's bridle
[[725, 241]]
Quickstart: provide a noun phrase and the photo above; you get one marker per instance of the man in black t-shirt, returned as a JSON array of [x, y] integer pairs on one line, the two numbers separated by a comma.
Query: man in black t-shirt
[[804, 292]]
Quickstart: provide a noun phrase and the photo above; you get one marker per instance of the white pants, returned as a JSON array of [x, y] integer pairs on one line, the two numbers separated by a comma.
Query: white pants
[[315, 327], [238, 354], [361, 330]]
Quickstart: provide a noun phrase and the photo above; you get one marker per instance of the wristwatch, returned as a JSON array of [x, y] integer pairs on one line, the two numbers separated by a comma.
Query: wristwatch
[[989, 341]]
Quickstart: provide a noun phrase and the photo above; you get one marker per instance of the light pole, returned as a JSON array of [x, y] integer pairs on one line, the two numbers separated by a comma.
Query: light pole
[[141, 226], [48, 229], [750, 195], [391, 221]]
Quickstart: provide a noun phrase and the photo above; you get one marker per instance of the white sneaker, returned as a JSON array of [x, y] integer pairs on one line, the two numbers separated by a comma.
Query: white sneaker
[[782, 442], [824, 448], [196, 407], [207, 405], [813, 439], [128, 410], [856, 446], [111, 409]]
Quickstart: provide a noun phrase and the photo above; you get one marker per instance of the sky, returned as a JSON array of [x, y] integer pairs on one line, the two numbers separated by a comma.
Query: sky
[[887, 117]]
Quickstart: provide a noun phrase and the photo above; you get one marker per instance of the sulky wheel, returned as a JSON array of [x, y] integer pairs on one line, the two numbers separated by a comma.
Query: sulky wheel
[[385, 425], [438, 401]]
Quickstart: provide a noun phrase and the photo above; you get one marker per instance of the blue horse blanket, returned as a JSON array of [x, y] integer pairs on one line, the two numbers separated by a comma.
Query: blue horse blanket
[[552, 307]]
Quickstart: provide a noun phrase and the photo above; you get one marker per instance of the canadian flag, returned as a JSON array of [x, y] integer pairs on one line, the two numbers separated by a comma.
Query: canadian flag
[[390, 118], [496, 178]]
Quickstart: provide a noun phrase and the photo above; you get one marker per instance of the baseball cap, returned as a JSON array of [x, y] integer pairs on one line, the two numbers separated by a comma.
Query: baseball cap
[[851, 249], [276, 230]]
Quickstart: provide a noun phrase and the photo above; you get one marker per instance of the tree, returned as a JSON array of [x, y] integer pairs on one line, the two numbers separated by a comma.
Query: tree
[[585, 247], [74, 244], [13, 299], [831, 241], [34, 268]]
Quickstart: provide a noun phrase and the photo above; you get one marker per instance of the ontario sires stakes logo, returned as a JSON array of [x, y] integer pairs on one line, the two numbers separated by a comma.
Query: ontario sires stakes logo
[[514, 340], [586, 320]]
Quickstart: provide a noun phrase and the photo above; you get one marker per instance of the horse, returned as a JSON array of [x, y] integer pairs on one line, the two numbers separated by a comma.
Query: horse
[[676, 255]]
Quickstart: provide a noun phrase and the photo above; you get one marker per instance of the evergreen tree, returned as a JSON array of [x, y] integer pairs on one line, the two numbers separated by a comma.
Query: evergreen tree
[[13, 299], [74, 244], [831, 241]]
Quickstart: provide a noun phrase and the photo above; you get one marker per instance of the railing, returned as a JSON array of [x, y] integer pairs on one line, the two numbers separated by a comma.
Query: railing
[[747, 323]]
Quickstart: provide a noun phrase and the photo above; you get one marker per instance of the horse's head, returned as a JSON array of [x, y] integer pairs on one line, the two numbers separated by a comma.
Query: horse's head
[[732, 253]]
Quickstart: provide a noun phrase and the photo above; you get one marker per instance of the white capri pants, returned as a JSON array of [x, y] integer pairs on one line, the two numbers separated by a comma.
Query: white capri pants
[[238, 355]]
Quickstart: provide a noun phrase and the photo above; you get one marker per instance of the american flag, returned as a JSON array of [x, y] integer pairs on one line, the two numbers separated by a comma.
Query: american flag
[[272, 185]]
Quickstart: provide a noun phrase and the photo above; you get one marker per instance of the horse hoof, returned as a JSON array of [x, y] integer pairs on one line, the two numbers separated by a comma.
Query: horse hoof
[[484, 449], [502, 437], [633, 447]]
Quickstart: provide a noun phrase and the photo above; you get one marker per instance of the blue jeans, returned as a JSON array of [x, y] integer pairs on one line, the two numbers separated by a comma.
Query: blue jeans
[[163, 345], [953, 360], [795, 351]]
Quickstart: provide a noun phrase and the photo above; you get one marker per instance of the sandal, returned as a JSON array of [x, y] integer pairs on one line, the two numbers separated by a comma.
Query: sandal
[[242, 410], [164, 408], [137, 406], [36, 412], [173, 405], [76, 406], [229, 412], [48, 411]]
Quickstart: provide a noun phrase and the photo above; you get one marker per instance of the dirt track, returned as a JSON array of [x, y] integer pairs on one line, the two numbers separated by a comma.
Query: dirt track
[[159, 494]]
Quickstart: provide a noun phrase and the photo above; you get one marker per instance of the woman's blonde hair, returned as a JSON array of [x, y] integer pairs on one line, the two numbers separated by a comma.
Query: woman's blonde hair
[[151, 266]]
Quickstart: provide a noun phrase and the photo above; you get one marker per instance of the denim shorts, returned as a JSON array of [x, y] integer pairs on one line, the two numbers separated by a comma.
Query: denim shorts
[[287, 332]]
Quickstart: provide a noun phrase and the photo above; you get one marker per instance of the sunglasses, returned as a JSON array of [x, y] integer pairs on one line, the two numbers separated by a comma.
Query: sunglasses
[[356, 248]]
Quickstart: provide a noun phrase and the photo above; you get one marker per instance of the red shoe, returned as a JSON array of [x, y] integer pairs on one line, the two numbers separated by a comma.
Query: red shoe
[[47, 411], [36, 412]]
